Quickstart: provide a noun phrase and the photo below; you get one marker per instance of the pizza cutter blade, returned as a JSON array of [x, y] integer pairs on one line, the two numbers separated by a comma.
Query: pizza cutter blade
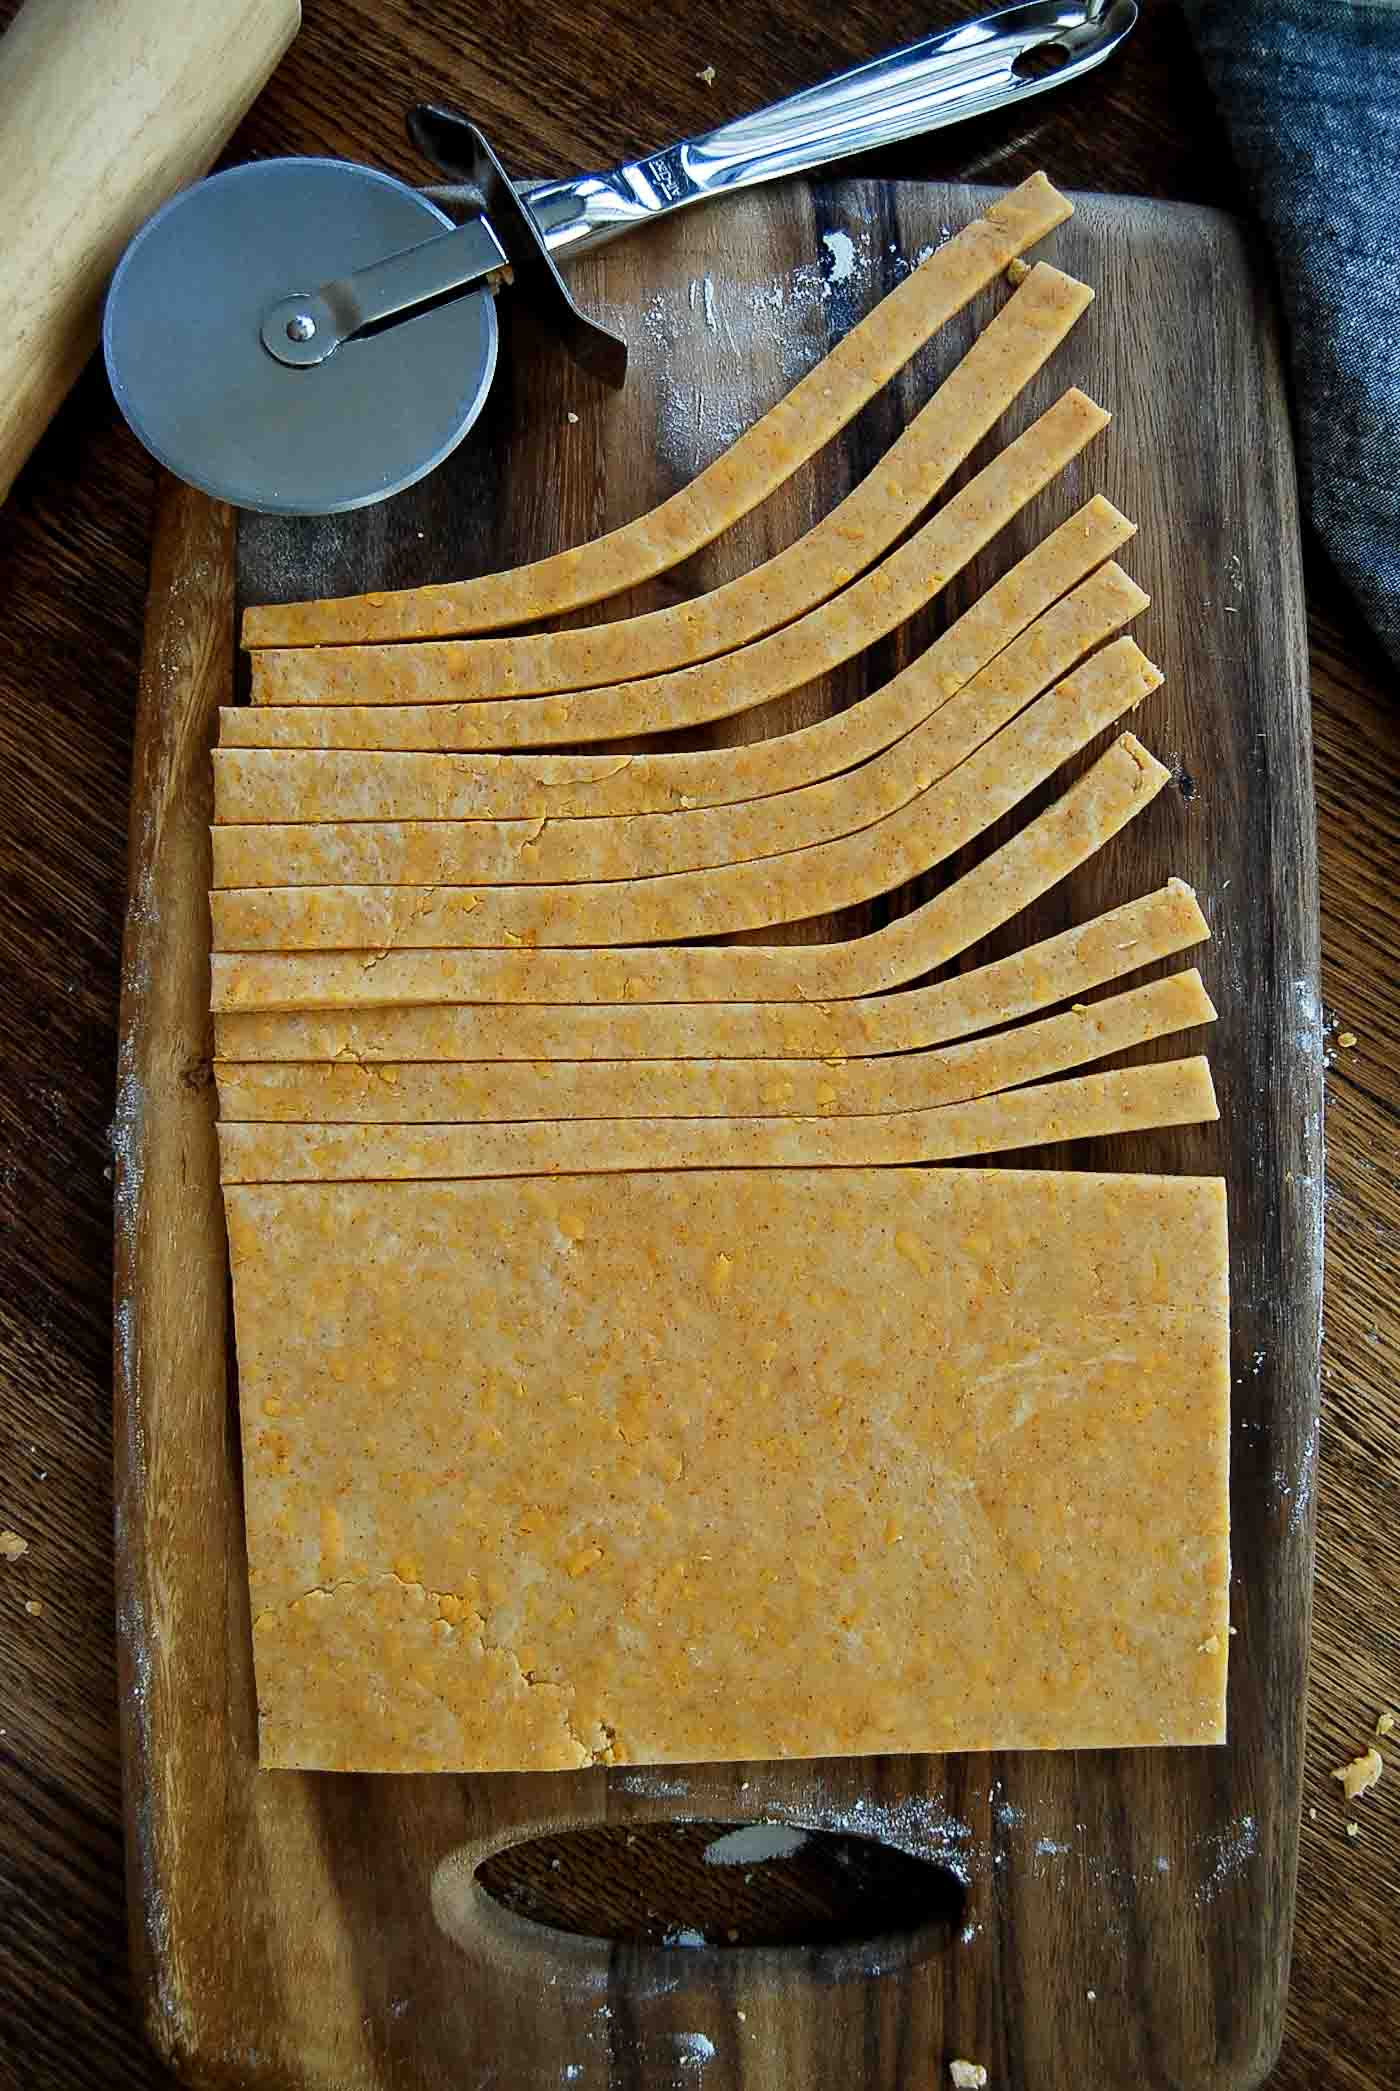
[[183, 342], [304, 336]]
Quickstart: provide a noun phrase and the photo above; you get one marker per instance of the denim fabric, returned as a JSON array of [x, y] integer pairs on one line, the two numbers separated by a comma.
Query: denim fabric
[[1310, 91]]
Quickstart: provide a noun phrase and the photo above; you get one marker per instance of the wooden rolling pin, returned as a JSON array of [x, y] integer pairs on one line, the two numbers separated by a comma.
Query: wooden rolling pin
[[106, 108]]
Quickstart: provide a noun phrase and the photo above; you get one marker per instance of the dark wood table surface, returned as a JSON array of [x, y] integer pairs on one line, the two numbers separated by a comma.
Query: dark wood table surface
[[561, 86]]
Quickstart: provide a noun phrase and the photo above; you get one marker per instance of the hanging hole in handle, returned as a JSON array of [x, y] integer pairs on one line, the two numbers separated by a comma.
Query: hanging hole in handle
[[1040, 61], [722, 1884]]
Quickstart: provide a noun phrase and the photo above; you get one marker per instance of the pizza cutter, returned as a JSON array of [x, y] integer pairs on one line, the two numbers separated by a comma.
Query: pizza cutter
[[303, 336]]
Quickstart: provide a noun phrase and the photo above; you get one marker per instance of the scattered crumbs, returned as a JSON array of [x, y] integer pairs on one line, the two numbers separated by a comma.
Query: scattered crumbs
[[968, 2076], [1047, 1848], [571, 418], [706, 75], [1162, 1864], [1385, 1721], [33, 1606], [1361, 1774], [1346, 1040], [12, 1546], [1353, 1829], [687, 1937], [572, 2072], [1210, 1645]]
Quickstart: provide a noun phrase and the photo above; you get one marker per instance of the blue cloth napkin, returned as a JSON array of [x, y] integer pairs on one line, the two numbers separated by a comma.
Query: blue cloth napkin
[[1310, 92]]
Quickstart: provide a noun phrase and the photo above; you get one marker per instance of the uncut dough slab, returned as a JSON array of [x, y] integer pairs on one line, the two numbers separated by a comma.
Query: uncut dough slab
[[513, 1092], [886, 1480], [758, 462], [533, 786], [828, 557], [800, 652], [616, 846], [1121, 941], [1120, 785], [1080, 1107], [723, 898]]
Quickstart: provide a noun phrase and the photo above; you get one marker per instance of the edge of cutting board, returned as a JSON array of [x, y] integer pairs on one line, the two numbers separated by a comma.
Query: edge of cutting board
[[222, 1999]]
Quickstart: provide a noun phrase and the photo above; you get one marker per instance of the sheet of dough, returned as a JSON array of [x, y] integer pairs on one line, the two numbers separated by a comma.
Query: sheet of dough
[[512, 1092], [1073, 963], [498, 786], [612, 846], [828, 557], [1079, 1107], [724, 898], [897, 1460], [759, 461], [1119, 786], [800, 652]]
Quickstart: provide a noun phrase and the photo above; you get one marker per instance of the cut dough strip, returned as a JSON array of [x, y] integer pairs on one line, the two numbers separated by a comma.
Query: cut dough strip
[[827, 558], [1119, 785], [767, 454], [530, 786], [501, 1092], [725, 898], [836, 631], [1121, 941], [608, 846], [1175, 1092]]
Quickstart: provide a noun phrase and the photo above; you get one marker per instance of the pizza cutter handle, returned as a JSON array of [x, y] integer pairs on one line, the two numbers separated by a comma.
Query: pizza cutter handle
[[964, 71]]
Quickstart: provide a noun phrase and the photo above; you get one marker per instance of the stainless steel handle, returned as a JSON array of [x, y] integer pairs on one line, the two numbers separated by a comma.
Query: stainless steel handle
[[963, 71]]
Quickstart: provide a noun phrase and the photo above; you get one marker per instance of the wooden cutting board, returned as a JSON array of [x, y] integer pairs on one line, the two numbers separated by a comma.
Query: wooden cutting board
[[1097, 1919]]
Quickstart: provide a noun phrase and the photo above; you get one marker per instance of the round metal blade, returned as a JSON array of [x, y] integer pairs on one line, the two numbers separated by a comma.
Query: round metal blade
[[181, 338]]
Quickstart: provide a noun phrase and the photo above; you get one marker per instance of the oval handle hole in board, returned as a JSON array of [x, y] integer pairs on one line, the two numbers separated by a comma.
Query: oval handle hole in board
[[721, 1884]]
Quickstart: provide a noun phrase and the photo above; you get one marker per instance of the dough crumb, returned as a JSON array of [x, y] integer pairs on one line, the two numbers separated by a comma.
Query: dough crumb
[[1017, 272], [1353, 1829], [1346, 1040], [33, 1606], [1092, 1995], [1385, 1720], [571, 418], [1210, 1645], [12, 1546], [707, 74], [968, 2076], [1361, 1774]]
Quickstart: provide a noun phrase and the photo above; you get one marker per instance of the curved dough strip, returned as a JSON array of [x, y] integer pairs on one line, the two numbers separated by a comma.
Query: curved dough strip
[[1174, 1092], [1121, 941], [722, 899], [530, 786], [607, 846], [847, 625], [827, 558], [1119, 785], [504, 1091], [767, 454]]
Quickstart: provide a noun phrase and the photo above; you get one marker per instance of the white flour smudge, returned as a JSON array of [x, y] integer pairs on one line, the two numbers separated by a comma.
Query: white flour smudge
[[842, 249], [685, 1937], [756, 1843], [1232, 1849]]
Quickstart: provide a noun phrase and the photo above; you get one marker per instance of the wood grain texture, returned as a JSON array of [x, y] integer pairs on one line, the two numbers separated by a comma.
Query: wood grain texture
[[73, 558], [1161, 1882]]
